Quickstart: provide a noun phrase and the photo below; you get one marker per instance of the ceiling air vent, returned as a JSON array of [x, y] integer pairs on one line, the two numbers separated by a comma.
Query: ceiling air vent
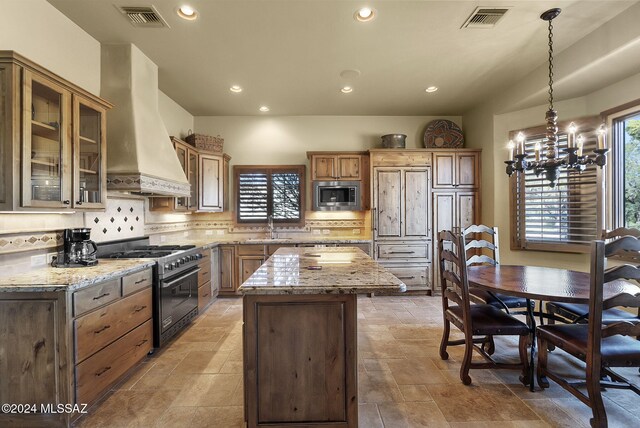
[[485, 17], [143, 16]]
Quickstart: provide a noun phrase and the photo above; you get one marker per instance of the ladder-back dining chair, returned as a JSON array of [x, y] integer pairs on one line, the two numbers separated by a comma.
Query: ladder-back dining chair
[[478, 322], [578, 312], [602, 346]]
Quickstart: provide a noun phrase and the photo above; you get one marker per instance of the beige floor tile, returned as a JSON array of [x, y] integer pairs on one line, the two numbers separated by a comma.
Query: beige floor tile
[[402, 415], [175, 417], [415, 393], [369, 417], [208, 390], [417, 372], [217, 417], [377, 387], [202, 362], [554, 414]]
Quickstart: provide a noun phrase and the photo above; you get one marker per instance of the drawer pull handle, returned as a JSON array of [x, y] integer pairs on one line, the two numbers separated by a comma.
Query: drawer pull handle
[[406, 277], [101, 296], [139, 308], [142, 342], [401, 252], [205, 295], [141, 281], [100, 330], [103, 371]]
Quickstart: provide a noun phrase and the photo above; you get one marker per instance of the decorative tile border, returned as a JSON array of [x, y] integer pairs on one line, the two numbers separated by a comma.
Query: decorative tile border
[[30, 241]]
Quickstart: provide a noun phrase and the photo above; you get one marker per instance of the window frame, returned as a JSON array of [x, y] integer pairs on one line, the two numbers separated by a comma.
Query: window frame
[[615, 174], [519, 241], [269, 170]]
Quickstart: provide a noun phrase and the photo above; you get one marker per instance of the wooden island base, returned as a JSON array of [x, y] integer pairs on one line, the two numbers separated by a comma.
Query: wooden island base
[[300, 362]]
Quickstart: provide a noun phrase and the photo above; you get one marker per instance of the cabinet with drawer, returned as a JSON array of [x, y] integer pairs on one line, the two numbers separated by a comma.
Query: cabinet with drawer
[[205, 292], [112, 331]]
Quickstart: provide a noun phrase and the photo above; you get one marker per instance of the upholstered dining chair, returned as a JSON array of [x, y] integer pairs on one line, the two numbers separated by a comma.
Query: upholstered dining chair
[[578, 312], [478, 322], [602, 346], [482, 248]]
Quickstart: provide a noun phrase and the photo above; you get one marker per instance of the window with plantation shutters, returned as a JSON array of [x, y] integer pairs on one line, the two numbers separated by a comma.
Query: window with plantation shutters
[[563, 218], [269, 192]]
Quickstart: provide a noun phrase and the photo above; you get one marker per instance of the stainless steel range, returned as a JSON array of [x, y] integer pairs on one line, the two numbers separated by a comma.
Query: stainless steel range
[[175, 284]]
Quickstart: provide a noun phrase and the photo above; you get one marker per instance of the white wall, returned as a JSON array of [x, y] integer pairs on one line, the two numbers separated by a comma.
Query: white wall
[[38, 31], [176, 119], [268, 140]]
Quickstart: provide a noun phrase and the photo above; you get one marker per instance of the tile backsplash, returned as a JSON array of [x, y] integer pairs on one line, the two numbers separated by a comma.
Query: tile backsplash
[[122, 219]]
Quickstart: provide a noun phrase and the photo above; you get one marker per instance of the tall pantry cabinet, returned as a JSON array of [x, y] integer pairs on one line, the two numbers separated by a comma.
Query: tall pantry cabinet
[[416, 193]]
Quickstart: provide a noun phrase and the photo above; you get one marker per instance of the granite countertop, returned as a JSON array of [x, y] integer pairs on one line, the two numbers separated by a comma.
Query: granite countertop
[[213, 241], [69, 279], [343, 271]]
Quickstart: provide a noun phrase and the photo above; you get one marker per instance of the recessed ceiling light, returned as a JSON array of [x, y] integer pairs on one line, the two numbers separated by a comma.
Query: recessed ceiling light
[[346, 90], [187, 12], [431, 89], [264, 109], [235, 88], [364, 14]]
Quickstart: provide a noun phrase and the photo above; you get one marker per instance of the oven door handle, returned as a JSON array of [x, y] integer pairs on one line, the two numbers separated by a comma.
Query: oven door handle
[[170, 283]]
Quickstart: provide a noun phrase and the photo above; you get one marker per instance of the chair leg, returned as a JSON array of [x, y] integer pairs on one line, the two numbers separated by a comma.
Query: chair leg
[[599, 419], [466, 361], [525, 377], [543, 348], [489, 346], [550, 321], [445, 339]]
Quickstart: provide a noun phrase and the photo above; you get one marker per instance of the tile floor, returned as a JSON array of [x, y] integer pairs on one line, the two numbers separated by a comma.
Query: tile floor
[[197, 380]]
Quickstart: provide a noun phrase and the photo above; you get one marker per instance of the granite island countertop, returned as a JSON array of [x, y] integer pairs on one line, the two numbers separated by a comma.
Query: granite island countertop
[[71, 279], [212, 241], [343, 270]]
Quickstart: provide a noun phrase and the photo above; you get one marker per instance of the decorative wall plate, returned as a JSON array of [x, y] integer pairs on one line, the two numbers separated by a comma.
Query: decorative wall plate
[[442, 133]]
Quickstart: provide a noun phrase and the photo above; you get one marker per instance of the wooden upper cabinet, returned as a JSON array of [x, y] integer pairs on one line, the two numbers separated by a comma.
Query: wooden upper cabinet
[[402, 203], [207, 173], [457, 170], [89, 154], [214, 173], [52, 140], [332, 166]]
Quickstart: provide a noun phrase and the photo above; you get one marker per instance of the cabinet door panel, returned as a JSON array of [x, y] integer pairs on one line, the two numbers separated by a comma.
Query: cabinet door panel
[[349, 167], [192, 176], [388, 200], [211, 188], [467, 170], [46, 156], [89, 156], [182, 153], [324, 168], [227, 274], [416, 204], [467, 208], [247, 265], [444, 172], [444, 208]]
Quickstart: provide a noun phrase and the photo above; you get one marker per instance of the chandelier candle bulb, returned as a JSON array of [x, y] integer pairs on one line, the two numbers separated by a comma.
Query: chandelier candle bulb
[[511, 147], [602, 137], [520, 138], [580, 141], [571, 137]]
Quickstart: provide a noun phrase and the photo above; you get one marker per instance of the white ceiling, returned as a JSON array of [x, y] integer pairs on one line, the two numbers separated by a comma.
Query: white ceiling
[[288, 54]]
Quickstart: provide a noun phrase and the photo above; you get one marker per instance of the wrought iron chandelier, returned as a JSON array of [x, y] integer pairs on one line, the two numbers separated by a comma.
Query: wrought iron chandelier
[[573, 158]]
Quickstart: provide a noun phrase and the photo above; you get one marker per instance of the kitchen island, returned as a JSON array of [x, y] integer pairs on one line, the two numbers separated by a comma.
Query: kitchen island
[[300, 335]]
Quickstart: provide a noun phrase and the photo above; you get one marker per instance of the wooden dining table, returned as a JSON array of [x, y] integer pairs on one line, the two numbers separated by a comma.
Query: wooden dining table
[[540, 283]]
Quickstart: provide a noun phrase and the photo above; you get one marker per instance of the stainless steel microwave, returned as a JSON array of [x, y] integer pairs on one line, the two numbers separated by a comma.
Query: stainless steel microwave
[[336, 196]]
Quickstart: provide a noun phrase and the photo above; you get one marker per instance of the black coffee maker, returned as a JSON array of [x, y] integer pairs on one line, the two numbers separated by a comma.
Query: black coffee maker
[[78, 250]]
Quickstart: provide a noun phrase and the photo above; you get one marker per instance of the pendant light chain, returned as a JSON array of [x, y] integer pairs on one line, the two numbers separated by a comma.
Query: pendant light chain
[[550, 65]]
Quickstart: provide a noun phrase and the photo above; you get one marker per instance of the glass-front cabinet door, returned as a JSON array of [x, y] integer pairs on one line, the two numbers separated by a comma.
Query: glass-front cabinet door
[[89, 181], [192, 176], [182, 204], [46, 156]]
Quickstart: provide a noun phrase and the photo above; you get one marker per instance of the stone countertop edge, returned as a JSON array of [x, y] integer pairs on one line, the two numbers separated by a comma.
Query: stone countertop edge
[[51, 279], [339, 270], [206, 243]]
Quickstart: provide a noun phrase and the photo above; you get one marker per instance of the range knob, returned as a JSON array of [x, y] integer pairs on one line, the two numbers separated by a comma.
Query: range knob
[[198, 256], [167, 266]]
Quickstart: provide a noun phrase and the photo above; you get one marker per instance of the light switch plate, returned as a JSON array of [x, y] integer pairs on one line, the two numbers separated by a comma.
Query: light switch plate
[[185, 233], [356, 231], [316, 232], [220, 232], [163, 238], [208, 232], [50, 257], [326, 231], [39, 260]]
